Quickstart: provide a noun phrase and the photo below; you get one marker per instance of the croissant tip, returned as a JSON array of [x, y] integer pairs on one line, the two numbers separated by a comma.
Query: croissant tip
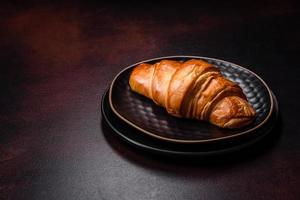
[[236, 123]]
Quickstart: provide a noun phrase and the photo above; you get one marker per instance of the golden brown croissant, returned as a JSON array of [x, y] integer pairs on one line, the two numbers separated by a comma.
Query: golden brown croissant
[[193, 89]]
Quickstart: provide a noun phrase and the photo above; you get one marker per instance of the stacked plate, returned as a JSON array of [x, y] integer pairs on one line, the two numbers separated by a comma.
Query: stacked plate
[[142, 123]]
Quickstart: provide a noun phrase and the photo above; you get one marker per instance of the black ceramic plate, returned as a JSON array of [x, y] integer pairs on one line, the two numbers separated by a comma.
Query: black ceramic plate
[[151, 144], [144, 115]]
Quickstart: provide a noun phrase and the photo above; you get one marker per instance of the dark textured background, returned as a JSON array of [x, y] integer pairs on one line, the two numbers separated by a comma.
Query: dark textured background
[[56, 60]]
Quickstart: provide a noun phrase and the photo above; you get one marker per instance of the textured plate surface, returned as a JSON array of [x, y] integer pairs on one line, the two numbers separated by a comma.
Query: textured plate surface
[[144, 115], [151, 144]]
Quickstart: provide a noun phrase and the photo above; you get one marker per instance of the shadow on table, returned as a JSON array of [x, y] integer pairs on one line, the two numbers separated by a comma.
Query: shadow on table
[[154, 160]]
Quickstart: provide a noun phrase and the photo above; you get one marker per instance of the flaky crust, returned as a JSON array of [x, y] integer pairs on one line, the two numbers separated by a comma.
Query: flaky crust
[[193, 89]]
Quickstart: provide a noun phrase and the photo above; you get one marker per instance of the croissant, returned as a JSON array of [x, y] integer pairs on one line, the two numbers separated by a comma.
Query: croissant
[[193, 89]]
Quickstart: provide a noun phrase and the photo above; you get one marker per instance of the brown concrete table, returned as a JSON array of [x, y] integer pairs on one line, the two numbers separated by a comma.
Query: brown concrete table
[[57, 59]]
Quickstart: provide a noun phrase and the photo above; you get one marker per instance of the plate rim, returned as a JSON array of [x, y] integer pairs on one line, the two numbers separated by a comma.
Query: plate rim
[[198, 140], [156, 150]]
